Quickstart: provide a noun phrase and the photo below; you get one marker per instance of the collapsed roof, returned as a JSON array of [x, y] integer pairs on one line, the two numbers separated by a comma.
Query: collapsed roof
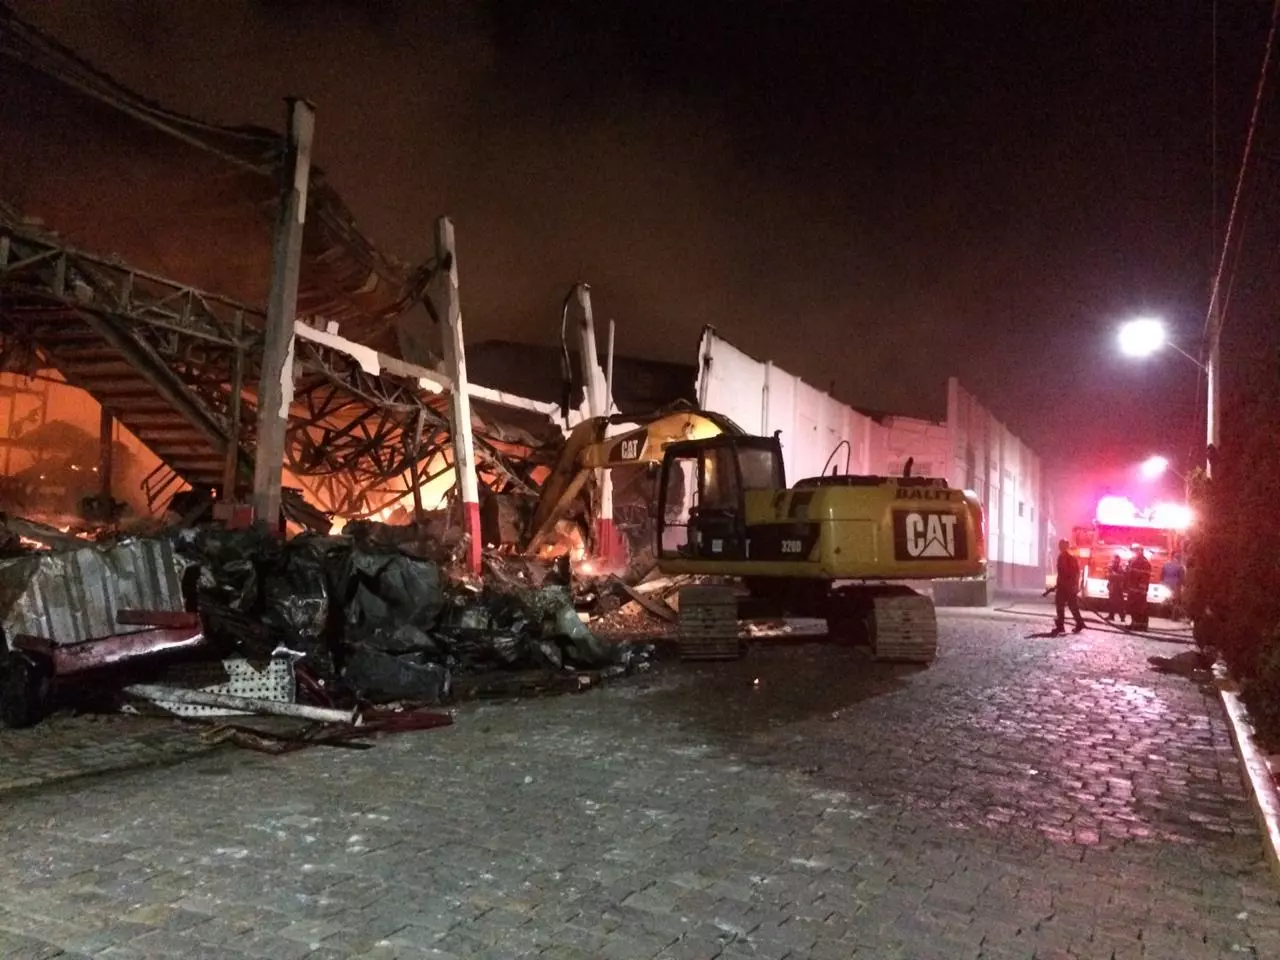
[[114, 173], [138, 218]]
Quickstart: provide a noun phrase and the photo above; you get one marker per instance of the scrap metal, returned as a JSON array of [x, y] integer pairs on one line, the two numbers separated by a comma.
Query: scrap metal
[[72, 596], [70, 659], [164, 696]]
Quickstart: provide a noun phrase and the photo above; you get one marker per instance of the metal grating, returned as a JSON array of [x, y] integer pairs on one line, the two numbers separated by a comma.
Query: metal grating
[[275, 682]]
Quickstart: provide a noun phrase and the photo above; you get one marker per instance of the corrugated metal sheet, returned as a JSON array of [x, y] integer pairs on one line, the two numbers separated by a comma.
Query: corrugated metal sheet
[[74, 596]]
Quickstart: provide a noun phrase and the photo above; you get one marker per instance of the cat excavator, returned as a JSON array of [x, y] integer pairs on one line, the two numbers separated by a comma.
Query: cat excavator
[[829, 547]]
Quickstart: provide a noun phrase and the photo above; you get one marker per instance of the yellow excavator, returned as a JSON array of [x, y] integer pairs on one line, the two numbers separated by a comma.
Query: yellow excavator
[[828, 547]]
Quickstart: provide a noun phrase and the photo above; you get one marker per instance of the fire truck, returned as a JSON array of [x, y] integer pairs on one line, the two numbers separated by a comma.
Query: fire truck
[[1118, 527]]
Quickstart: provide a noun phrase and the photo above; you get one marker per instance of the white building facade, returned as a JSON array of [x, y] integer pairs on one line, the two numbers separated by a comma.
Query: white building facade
[[970, 449]]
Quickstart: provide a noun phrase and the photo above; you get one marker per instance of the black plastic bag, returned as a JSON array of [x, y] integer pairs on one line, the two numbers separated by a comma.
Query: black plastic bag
[[385, 590], [380, 677], [405, 638], [297, 600], [229, 561]]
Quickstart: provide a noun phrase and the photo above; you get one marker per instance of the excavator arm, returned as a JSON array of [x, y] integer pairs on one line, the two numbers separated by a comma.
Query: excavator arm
[[588, 448]]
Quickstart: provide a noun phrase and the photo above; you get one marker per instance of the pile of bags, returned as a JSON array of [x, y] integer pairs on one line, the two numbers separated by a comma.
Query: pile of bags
[[383, 624]]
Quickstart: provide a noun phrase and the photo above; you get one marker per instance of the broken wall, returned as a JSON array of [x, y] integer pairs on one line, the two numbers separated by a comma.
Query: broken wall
[[761, 398]]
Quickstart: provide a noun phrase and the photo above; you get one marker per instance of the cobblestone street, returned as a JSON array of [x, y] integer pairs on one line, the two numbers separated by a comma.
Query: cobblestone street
[[67, 747], [1024, 797]]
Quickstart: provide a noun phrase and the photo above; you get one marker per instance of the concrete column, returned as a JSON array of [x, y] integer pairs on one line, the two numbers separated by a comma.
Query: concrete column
[[106, 454], [444, 298], [275, 388], [594, 385]]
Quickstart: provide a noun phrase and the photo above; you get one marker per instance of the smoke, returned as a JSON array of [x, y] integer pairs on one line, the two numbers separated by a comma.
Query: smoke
[[875, 196]]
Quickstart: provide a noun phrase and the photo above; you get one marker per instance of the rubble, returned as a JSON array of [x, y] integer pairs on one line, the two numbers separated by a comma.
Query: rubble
[[658, 608], [153, 693], [369, 621]]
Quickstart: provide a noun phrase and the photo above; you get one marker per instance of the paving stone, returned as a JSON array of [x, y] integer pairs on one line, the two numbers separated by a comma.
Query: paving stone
[[65, 747], [1018, 799]]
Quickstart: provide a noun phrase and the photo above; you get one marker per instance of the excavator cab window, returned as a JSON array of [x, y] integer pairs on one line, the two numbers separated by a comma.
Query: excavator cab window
[[678, 497], [703, 515], [761, 468]]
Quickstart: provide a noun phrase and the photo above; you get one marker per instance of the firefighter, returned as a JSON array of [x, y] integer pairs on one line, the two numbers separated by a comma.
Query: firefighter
[[1115, 589], [1137, 580], [1172, 576], [1066, 593]]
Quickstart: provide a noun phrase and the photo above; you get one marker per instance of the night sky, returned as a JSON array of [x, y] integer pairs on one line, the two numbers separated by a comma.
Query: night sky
[[875, 195]]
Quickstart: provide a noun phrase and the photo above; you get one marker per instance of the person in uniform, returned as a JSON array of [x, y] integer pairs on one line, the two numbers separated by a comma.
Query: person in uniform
[[1115, 589], [1066, 592], [1172, 576], [1137, 580]]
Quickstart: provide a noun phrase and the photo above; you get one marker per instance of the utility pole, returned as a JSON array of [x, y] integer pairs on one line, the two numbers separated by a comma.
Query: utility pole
[[443, 292], [275, 386], [1213, 410]]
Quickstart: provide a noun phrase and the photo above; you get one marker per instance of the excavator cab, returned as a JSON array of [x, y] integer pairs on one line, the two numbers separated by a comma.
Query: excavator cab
[[701, 503]]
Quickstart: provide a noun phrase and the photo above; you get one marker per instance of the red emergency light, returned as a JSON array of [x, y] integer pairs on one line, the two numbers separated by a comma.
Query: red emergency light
[[1115, 511]]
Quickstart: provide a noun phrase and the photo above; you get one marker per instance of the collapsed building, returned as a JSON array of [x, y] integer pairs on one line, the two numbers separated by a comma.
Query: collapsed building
[[193, 327], [138, 269]]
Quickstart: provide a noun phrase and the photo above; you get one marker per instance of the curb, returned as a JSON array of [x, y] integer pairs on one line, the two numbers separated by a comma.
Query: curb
[[1257, 776]]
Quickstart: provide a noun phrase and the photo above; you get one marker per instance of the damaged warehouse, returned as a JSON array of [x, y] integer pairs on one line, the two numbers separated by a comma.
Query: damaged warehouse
[[306, 361], [339, 504]]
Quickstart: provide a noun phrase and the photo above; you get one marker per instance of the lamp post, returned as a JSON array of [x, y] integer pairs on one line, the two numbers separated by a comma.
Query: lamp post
[[1145, 336]]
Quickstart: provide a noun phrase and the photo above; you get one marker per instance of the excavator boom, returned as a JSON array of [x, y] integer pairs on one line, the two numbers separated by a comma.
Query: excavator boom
[[589, 447]]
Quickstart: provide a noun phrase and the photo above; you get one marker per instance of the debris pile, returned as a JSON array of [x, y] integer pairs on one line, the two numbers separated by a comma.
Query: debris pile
[[368, 617]]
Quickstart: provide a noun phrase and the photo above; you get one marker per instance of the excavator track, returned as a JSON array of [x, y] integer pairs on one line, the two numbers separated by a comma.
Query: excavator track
[[709, 624], [903, 628]]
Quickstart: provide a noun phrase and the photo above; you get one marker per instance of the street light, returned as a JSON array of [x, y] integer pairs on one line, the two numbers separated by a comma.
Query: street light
[[1141, 337], [1154, 467], [1144, 336]]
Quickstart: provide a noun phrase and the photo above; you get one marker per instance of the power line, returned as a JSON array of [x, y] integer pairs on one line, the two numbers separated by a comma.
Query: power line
[[1213, 319]]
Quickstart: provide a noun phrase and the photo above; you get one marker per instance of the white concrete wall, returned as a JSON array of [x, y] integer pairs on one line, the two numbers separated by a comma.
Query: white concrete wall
[[989, 459], [971, 449], [923, 441], [761, 398]]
